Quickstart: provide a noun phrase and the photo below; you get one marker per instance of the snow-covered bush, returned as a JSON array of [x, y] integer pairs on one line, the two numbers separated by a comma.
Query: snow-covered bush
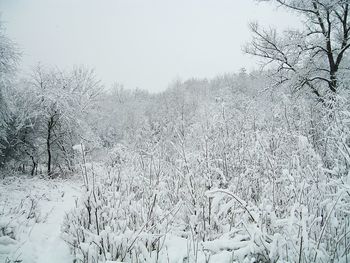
[[116, 218], [234, 184], [25, 213], [20, 211]]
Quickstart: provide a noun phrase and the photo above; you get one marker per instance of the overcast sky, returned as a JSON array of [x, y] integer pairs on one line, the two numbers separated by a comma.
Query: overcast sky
[[139, 43]]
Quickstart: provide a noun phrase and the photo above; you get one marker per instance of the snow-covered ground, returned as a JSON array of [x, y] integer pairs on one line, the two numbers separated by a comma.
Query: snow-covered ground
[[31, 214]]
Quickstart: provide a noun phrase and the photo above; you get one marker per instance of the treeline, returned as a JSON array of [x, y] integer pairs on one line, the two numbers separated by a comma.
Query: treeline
[[49, 114]]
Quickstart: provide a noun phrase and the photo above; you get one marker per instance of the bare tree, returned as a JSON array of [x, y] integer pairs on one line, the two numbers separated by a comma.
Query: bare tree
[[313, 57]]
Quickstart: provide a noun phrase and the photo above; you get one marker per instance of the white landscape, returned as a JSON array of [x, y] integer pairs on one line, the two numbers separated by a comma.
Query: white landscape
[[247, 166]]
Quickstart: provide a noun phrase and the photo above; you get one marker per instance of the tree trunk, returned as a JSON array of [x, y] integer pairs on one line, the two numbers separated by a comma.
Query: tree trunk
[[34, 165], [48, 145]]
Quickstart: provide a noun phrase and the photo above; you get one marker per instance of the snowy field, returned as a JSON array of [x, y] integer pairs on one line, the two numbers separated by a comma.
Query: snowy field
[[245, 164], [31, 215]]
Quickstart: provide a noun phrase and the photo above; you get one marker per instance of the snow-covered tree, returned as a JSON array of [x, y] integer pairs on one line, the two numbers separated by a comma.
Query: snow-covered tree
[[9, 57], [314, 57], [47, 114]]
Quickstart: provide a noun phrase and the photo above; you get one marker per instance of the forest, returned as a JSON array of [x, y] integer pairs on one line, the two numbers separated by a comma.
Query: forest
[[250, 166]]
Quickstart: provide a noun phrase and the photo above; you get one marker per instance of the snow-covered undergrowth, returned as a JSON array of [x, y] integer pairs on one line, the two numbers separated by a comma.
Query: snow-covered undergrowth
[[218, 194], [31, 213]]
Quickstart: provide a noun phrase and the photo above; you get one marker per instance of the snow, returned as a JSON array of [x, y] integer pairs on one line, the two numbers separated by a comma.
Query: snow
[[37, 242]]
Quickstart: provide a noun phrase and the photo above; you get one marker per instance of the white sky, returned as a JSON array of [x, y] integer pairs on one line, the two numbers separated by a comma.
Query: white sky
[[139, 43]]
